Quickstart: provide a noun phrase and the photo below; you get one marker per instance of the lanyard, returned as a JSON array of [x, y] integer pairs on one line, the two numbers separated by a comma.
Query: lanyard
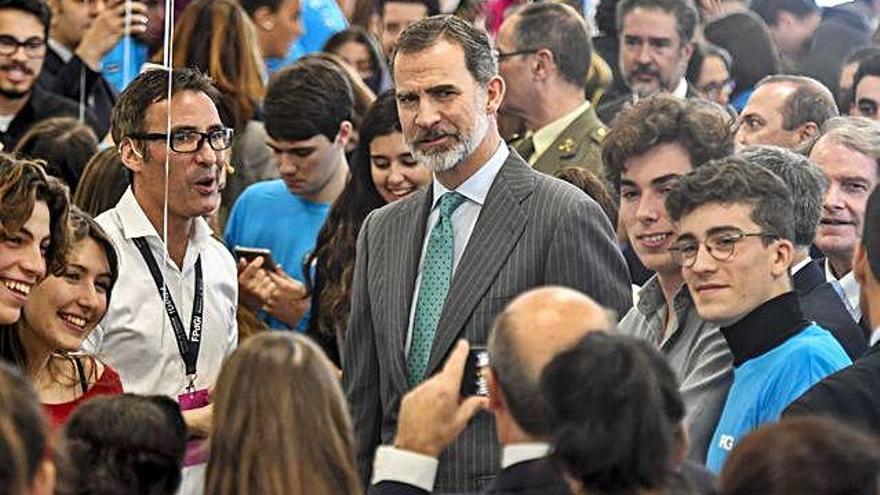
[[187, 346]]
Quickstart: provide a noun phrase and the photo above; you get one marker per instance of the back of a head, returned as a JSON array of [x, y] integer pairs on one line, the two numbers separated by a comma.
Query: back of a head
[[590, 183], [805, 180], [218, 38], [102, 184], [64, 143], [807, 456], [617, 410], [125, 445], [281, 425], [811, 101], [22, 432], [769, 10], [744, 35], [871, 234], [310, 97], [560, 29]]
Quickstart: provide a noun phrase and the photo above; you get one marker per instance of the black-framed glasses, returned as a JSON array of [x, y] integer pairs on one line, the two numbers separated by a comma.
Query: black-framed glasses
[[190, 141], [502, 55], [33, 47], [720, 246]]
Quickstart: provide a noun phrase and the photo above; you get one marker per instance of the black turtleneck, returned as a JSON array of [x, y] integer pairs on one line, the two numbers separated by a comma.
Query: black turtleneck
[[765, 328]]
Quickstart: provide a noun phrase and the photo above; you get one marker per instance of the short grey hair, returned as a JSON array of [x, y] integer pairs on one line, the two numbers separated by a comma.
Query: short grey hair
[[857, 133], [804, 179], [811, 101]]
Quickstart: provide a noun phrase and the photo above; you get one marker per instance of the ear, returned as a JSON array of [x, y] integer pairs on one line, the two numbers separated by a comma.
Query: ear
[[784, 254], [495, 89], [496, 398], [131, 157], [44, 480], [542, 64], [264, 18], [346, 131], [686, 51], [806, 132], [785, 19]]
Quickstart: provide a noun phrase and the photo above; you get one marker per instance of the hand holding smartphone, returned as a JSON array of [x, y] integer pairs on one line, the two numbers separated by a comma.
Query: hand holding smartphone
[[249, 254]]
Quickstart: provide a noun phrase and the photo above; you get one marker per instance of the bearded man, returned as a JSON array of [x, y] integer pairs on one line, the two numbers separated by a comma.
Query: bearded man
[[438, 265]]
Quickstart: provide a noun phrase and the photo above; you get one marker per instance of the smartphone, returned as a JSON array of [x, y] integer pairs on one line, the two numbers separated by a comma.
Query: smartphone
[[474, 382], [250, 254]]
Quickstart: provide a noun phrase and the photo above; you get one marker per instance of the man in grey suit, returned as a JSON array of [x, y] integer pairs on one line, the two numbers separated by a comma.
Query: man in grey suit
[[438, 265]]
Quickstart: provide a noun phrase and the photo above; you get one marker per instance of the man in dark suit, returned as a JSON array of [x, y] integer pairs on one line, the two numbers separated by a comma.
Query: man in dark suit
[[544, 55], [850, 395], [656, 43], [438, 265], [81, 34], [533, 329], [819, 301]]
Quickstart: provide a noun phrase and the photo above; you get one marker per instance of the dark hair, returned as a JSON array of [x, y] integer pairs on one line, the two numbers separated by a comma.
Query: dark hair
[[560, 29], [334, 252], [700, 127], [807, 456], [218, 38], [606, 17], [103, 182], [744, 35], [23, 434], [251, 6], [356, 34], [64, 143], [590, 183], [37, 8], [871, 234], [431, 6], [810, 102], [684, 11], [151, 86], [125, 444], [769, 9], [805, 180], [478, 56], [617, 412], [845, 96], [732, 180], [869, 67], [702, 51], [310, 97], [82, 227]]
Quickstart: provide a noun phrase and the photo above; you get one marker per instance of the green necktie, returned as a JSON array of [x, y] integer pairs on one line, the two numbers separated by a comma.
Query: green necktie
[[434, 284]]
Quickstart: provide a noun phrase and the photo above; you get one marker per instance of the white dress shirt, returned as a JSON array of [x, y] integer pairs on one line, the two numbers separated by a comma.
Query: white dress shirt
[[850, 288], [464, 218], [681, 90], [135, 337]]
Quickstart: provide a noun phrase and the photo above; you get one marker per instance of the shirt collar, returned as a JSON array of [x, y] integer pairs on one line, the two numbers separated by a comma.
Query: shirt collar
[[848, 283], [875, 336], [522, 452], [476, 187], [796, 268], [765, 328], [545, 136], [682, 89], [136, 224], [64, 53]]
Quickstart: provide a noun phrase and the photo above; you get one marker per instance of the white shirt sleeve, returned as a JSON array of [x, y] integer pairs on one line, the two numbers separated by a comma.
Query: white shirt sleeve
[[403, 466]]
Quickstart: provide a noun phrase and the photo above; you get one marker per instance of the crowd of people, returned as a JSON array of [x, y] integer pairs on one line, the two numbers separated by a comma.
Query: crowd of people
[[418, 246]]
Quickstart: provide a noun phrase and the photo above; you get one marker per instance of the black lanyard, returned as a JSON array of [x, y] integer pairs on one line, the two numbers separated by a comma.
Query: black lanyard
[[188, 346]]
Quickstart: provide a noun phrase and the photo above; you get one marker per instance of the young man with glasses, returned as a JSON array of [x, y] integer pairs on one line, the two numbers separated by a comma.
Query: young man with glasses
[[24, 25], [175, 346], [735, 225]]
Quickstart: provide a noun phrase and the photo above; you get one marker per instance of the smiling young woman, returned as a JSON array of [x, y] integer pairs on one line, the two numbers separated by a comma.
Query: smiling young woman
[[60, 313]]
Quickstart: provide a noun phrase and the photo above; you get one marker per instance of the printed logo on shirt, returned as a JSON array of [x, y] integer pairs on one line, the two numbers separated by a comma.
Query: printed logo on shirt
[[726, 442]]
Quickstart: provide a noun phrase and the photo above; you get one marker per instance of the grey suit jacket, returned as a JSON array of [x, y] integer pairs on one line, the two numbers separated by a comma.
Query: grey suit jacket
[[533, 230]]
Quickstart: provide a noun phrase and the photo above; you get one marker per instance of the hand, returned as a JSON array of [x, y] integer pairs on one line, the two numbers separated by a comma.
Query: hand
[[289, 301], [108, 28], [716, 9], [433, 414], [255, 287], [200, 421]]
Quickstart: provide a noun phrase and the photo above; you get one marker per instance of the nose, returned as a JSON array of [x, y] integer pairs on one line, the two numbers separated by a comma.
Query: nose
[[87, 296], [206, 155], [833, 198], [704, 262], [395, 177], [286, 163], [33, 263], [426, 115], [647, 210], [96, 7], [643, 53]]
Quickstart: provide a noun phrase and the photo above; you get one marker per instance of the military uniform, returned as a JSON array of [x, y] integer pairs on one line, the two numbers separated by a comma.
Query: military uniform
[[579, 144]]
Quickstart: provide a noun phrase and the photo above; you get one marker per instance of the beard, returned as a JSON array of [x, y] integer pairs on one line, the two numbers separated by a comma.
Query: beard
[[449, 158], [13, 93]]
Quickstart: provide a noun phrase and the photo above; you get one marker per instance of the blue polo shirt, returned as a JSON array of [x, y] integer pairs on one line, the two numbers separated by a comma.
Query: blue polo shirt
[[778, 355]]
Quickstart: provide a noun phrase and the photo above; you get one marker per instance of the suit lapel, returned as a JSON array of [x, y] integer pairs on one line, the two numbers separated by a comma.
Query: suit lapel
[[500, 224]]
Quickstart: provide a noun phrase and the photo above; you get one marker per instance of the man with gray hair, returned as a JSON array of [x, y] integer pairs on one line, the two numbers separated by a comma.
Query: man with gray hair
[[544, 54], [438, 265], [786, 111], [848, 152], [819, 300]]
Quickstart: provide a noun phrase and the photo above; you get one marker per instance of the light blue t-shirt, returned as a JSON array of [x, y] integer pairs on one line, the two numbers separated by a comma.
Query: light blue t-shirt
[[321, 19], [267, 215], [765, 385], [114, 67]]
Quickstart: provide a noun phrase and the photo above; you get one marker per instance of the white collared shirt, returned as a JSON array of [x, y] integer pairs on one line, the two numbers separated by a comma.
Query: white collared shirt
[[64, 53], [403, 466], [544, 137], [135, 337], [875, 336], [681, 90], [796, 268], [850, 287], [464, 218]]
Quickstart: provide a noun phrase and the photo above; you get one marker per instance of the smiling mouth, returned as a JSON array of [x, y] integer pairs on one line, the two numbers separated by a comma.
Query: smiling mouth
[[833, 222], [654, 240], [74, 320], [21, 288]]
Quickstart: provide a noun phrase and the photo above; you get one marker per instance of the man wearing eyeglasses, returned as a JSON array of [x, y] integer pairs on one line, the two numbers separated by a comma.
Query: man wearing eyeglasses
[[734, 245], [544, 55], [170, 344], [24, 25]]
